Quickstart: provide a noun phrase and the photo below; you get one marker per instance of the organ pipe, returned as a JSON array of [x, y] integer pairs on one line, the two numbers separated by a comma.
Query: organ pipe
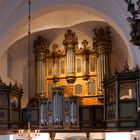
[[70, 42], [102, 43], [41, 49]]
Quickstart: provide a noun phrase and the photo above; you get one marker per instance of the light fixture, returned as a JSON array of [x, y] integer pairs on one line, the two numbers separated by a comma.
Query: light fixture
[[28, 133]]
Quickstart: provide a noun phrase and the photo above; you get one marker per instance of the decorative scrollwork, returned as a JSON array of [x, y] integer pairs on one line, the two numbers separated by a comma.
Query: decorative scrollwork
[[41, 45], [70, 38], [101, 35], [134, 21]]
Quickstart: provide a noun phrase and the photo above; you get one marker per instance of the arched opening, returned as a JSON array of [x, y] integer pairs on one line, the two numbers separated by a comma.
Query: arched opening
[[57, 16]]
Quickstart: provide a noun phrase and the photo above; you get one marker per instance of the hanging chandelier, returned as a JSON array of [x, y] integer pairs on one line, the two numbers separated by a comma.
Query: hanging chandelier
[[28, 133]]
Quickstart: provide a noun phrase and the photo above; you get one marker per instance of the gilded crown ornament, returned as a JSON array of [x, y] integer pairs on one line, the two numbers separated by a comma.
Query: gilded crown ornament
[[41, 44], [102, 40], [101, 35], [70, 38], [85, 44]]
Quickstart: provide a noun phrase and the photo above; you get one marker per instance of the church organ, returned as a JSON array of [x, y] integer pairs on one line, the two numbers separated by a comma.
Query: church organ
[[74, 77], [73, 85]]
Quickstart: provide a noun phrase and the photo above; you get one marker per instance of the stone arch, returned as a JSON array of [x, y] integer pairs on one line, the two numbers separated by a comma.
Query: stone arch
[[44, 12]]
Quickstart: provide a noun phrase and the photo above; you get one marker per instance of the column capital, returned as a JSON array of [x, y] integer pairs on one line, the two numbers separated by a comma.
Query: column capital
[[102, 49]]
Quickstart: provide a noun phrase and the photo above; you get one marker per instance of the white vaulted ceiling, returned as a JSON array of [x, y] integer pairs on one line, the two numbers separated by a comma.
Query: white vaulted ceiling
[[62, 14], [51, 19]]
